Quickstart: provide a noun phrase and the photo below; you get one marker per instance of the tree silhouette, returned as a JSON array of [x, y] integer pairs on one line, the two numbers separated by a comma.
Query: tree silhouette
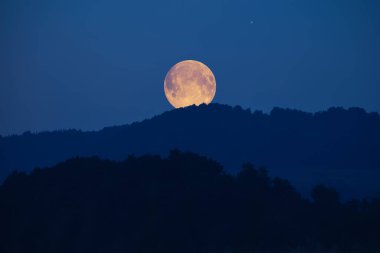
[[285, 140], [182, 203]]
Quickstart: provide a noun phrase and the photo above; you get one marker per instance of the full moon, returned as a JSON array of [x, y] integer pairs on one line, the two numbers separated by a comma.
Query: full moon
[[189, 82]]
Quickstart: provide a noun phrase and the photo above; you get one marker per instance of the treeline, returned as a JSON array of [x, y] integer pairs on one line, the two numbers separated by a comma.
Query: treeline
[[183, 203], [347, 139]]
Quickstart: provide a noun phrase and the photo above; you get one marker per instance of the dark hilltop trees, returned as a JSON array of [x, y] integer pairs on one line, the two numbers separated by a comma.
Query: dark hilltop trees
[[183, 203], [333, 143]]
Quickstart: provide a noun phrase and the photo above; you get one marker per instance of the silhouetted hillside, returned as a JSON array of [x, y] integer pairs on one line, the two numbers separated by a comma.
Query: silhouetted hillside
[[185, 203], [325, 147]]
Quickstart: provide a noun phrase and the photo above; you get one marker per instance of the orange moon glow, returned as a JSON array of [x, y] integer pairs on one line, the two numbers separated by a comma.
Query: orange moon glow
[[189, 82]]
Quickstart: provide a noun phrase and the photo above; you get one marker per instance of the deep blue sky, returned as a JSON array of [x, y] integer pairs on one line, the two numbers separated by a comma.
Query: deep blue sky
[[90, 64]]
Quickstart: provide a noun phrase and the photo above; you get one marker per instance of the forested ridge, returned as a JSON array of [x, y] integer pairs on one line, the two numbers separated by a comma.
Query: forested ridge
[[182, 203]]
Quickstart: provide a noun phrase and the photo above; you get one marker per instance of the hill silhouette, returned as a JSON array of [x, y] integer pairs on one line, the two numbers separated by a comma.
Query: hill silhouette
[[183, 203], [338, 146]]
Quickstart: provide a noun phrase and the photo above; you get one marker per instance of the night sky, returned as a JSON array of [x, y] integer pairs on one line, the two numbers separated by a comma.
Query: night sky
[[91, 64]]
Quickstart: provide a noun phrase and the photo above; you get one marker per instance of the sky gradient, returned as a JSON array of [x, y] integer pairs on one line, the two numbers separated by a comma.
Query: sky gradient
[[90, 64]]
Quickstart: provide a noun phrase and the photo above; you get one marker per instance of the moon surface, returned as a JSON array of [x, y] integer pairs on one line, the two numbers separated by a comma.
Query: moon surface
[[189, 82]]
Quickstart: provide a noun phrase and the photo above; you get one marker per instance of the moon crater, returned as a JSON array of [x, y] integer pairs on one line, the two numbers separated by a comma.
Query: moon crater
[[189, 82]]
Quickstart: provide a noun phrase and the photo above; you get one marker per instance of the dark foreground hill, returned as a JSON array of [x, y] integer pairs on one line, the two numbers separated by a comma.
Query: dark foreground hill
[[339, 147], [185, 203]]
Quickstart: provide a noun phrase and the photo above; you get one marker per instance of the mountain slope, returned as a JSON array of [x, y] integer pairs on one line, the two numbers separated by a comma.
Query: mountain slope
[[284, 140], [183, 203]]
